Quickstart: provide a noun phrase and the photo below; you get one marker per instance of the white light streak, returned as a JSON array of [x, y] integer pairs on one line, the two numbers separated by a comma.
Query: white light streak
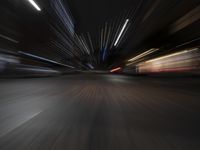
[[143, 54], [35, 5], [122, 30], [171, 55], [8, 38], [44, 59]]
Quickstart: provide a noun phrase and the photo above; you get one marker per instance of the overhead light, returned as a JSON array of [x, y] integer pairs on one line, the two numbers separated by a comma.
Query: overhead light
[[35, 5], [122, 30]]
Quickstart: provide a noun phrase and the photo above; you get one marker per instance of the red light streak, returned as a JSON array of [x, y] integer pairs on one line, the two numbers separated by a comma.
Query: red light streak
[[115, 69]]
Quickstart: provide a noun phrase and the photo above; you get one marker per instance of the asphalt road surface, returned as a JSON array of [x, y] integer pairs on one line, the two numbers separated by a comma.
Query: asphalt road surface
[[100, 112]]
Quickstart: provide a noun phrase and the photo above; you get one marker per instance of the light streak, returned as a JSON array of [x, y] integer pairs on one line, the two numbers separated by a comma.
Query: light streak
[[35, 5], [170, 55], [8, 38], [115, 69], [44, 59], [122, 30], [143, 54], [90, 65]]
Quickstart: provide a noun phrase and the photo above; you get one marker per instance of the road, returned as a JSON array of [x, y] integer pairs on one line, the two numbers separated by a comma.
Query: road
[[100, 112]]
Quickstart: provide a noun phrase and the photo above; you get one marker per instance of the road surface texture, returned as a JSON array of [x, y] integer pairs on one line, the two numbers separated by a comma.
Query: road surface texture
[[100, 112]]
